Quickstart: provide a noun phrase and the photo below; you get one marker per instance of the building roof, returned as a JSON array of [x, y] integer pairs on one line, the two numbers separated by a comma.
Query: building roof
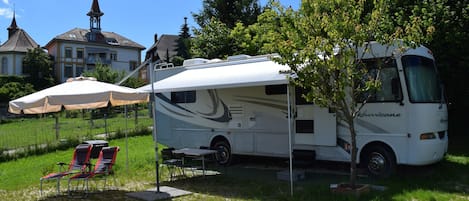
[[110, 38], [95, 11], [166, 46], [20, 41]]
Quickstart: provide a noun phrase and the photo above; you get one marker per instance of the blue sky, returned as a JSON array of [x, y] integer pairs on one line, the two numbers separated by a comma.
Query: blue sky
[[137, 20]]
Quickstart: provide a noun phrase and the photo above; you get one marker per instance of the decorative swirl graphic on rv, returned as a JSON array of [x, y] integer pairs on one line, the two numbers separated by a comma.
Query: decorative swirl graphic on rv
[[216, 104]]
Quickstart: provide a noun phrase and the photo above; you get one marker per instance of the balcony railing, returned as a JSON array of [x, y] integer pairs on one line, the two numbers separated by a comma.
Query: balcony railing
[[94, 60]]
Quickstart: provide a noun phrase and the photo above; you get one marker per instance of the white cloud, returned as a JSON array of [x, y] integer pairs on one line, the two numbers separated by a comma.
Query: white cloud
[[6, 12], [6, 2]]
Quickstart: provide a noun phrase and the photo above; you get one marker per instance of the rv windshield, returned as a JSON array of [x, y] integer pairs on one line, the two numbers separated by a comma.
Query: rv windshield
[[422, 79]]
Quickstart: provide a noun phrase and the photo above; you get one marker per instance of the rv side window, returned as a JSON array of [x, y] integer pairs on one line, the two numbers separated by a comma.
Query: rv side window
[[390, 90], [304, 126], [276, 89], [183, 97]]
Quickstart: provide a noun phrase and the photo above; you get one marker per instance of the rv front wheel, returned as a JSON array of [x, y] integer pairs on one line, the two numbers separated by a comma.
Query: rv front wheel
[[380, 162], [224, 152]]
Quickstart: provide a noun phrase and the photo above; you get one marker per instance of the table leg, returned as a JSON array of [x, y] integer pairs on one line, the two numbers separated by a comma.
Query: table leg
[[203, 165]]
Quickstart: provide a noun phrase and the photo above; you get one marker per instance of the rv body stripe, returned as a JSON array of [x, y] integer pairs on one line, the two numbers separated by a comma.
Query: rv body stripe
[[215, 103], [174, 112], [225, 117], [263, 101]]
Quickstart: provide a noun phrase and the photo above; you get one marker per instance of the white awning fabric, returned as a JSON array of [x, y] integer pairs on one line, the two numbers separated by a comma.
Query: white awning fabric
[[259, 73]]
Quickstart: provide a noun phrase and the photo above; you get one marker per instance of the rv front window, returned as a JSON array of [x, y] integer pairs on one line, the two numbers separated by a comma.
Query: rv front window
[[422, 79]]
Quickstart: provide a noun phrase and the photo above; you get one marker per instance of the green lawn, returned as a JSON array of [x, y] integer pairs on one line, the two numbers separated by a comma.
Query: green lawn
[[447, 180], [248, 179], [24, 132]]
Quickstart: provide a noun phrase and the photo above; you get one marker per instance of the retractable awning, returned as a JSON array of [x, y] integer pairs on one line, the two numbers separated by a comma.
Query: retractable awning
[[216, 76]]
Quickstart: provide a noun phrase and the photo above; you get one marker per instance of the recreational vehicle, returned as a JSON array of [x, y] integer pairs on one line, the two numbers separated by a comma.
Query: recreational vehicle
[[240, 105]]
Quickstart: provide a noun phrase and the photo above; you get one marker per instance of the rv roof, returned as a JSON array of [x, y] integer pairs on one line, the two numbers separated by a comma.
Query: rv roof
[[238, 74]]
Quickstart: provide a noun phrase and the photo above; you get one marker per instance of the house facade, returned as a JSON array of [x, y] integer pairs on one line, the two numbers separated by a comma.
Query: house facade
[[13, 51], [79, 50]]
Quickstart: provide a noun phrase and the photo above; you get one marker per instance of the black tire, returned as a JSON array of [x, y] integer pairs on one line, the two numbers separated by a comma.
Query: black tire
[[223, 156], [379, 161]]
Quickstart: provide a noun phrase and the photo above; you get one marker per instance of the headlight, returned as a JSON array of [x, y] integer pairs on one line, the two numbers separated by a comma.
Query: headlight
[[427, 136]]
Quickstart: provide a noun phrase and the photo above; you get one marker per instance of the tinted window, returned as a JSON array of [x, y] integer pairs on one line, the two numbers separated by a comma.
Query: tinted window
[[423, 82], [183, 97], [276, 89], [304, 126]]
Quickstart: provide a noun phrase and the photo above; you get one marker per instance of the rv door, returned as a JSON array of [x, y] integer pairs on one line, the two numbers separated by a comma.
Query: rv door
[[313, 125]]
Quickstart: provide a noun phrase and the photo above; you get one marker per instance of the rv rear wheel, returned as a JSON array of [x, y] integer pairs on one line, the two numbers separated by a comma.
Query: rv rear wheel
[[224, 152], [380, 161]]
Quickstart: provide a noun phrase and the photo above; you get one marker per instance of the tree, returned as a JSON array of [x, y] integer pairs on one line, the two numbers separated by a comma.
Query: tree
[[212, 41], [38, 65], [228, 12], [217, 20], [183, 45], [103, 73], [14, 90], [320, 42]]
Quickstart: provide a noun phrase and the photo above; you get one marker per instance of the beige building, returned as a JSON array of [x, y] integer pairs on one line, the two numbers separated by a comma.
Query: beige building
[[79, 49]]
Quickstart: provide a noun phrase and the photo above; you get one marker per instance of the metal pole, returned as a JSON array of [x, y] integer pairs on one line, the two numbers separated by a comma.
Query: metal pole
[[290, 140], [126, 142], [154, 126]]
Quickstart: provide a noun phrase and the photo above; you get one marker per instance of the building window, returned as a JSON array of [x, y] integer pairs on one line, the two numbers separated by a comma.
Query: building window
[[132, 65], [114, 56], [79, 53], [183, 97], [79, 70], [68, 71], [68, 52], [4, 65]]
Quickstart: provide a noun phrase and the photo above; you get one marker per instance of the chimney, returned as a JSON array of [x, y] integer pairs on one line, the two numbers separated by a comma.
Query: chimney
[[156, 37]]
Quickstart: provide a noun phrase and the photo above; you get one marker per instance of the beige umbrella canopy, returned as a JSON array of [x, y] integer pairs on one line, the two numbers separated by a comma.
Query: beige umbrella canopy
[[77, 93]]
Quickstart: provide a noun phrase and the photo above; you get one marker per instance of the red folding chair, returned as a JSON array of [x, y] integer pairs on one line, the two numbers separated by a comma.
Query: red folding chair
[[81, 157], [102, 168]]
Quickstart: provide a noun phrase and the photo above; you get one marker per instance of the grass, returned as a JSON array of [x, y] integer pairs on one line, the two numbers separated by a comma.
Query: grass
[[42, 130], [447, 180]]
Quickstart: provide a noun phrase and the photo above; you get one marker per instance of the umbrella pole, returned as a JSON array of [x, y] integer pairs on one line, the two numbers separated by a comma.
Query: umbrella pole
[[105, 126], [126, 143], [57, 129]]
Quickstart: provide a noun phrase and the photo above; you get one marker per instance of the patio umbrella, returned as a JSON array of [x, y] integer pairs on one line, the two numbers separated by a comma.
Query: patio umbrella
[[77, 93]]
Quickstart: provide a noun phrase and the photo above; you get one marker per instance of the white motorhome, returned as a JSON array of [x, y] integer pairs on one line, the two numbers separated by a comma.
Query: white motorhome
[[240, 105]]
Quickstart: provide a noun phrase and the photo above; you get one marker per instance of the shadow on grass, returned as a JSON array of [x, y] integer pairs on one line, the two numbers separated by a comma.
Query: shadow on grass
[[447, 180], [101, 195]]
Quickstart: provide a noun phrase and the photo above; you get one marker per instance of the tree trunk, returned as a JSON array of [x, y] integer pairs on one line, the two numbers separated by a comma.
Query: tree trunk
[[353, 159]]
